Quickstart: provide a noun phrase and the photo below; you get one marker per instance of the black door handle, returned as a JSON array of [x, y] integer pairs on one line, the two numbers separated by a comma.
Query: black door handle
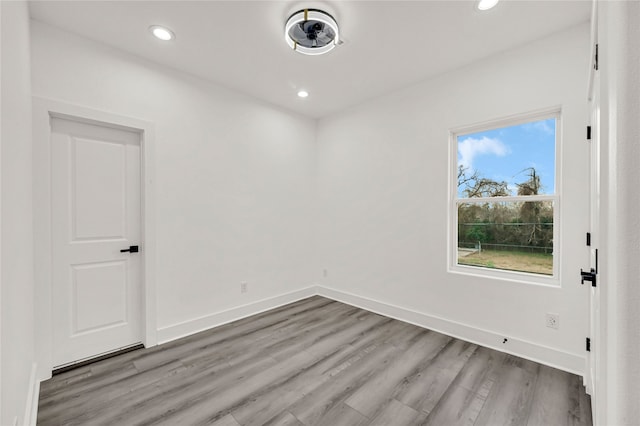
[[131, 249], [588, 276]]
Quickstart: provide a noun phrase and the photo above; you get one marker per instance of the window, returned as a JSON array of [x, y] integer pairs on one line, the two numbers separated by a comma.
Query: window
[[504, 198]]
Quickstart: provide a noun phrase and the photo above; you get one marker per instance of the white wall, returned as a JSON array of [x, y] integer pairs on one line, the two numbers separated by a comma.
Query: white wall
[[383, 200], [629, 154], [17, 299], [619, 42], [233, 175], [628, 316]]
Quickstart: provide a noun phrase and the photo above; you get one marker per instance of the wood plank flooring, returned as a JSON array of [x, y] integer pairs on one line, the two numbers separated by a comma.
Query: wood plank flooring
[[315, 362]]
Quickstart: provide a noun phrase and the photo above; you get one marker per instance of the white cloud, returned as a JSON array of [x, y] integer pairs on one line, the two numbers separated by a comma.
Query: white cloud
[[540, 126], [469, 148]]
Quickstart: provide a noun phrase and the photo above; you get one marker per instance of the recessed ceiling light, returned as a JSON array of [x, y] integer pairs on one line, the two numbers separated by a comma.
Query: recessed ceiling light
[[312, 32], [164, 34], [303, 94], [487, 4]]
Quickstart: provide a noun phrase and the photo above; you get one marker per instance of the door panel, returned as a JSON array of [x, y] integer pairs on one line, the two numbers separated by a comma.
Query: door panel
[[95, 187], [99, 291], [98, 164]]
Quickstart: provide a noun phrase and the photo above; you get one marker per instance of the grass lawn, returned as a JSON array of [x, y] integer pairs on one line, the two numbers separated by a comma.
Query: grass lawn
[[537, 263]]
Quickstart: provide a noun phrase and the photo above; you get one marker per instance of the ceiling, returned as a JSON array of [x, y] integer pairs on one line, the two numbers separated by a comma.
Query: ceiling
[[388, 44]]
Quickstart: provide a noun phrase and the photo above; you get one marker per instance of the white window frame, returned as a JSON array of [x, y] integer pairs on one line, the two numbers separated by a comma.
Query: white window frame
[[555, 198]]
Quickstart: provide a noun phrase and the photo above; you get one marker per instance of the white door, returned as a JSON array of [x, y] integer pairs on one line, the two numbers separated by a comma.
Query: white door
[[594, 291], [95, 212]]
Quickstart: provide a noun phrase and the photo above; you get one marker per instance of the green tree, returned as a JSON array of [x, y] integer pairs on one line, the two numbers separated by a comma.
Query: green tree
[[477, 233]]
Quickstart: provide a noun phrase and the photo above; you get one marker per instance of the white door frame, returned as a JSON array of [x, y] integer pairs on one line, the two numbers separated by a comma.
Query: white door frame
[[591, 379], [43, 110], [593, 370]]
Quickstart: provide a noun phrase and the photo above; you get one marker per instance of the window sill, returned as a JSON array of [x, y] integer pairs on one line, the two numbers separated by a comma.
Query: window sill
[[502, 275]]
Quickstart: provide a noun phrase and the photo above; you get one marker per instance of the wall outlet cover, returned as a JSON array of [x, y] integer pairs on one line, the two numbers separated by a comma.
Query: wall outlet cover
[[552, 320]]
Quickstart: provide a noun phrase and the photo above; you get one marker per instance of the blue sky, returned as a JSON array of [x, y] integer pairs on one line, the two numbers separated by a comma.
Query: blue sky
[[502, 154]]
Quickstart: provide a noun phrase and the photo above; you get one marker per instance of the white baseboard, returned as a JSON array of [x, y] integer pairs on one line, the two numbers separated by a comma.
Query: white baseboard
[[206, 322], [572, 363], [31, 407]]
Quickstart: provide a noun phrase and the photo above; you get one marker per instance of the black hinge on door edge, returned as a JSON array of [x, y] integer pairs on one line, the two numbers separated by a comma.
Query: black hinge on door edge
[[589, 239], [595, 65], [588, 133], [588, 345]]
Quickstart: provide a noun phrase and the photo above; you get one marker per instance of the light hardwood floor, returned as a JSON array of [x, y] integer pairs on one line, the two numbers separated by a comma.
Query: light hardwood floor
[[315, 362]]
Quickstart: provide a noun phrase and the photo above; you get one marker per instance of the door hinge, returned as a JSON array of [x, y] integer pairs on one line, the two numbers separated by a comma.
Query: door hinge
[[589, 239], [588, 344], [588, 276], [588, 133], [595, 62]]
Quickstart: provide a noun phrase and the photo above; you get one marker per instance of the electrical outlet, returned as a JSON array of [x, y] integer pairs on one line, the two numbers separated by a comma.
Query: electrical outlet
[[243, 287], [553, 320], [324, 273]]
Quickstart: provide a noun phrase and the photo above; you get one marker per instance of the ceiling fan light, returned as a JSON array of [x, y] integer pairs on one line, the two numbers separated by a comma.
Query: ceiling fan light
[[311, 32]]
